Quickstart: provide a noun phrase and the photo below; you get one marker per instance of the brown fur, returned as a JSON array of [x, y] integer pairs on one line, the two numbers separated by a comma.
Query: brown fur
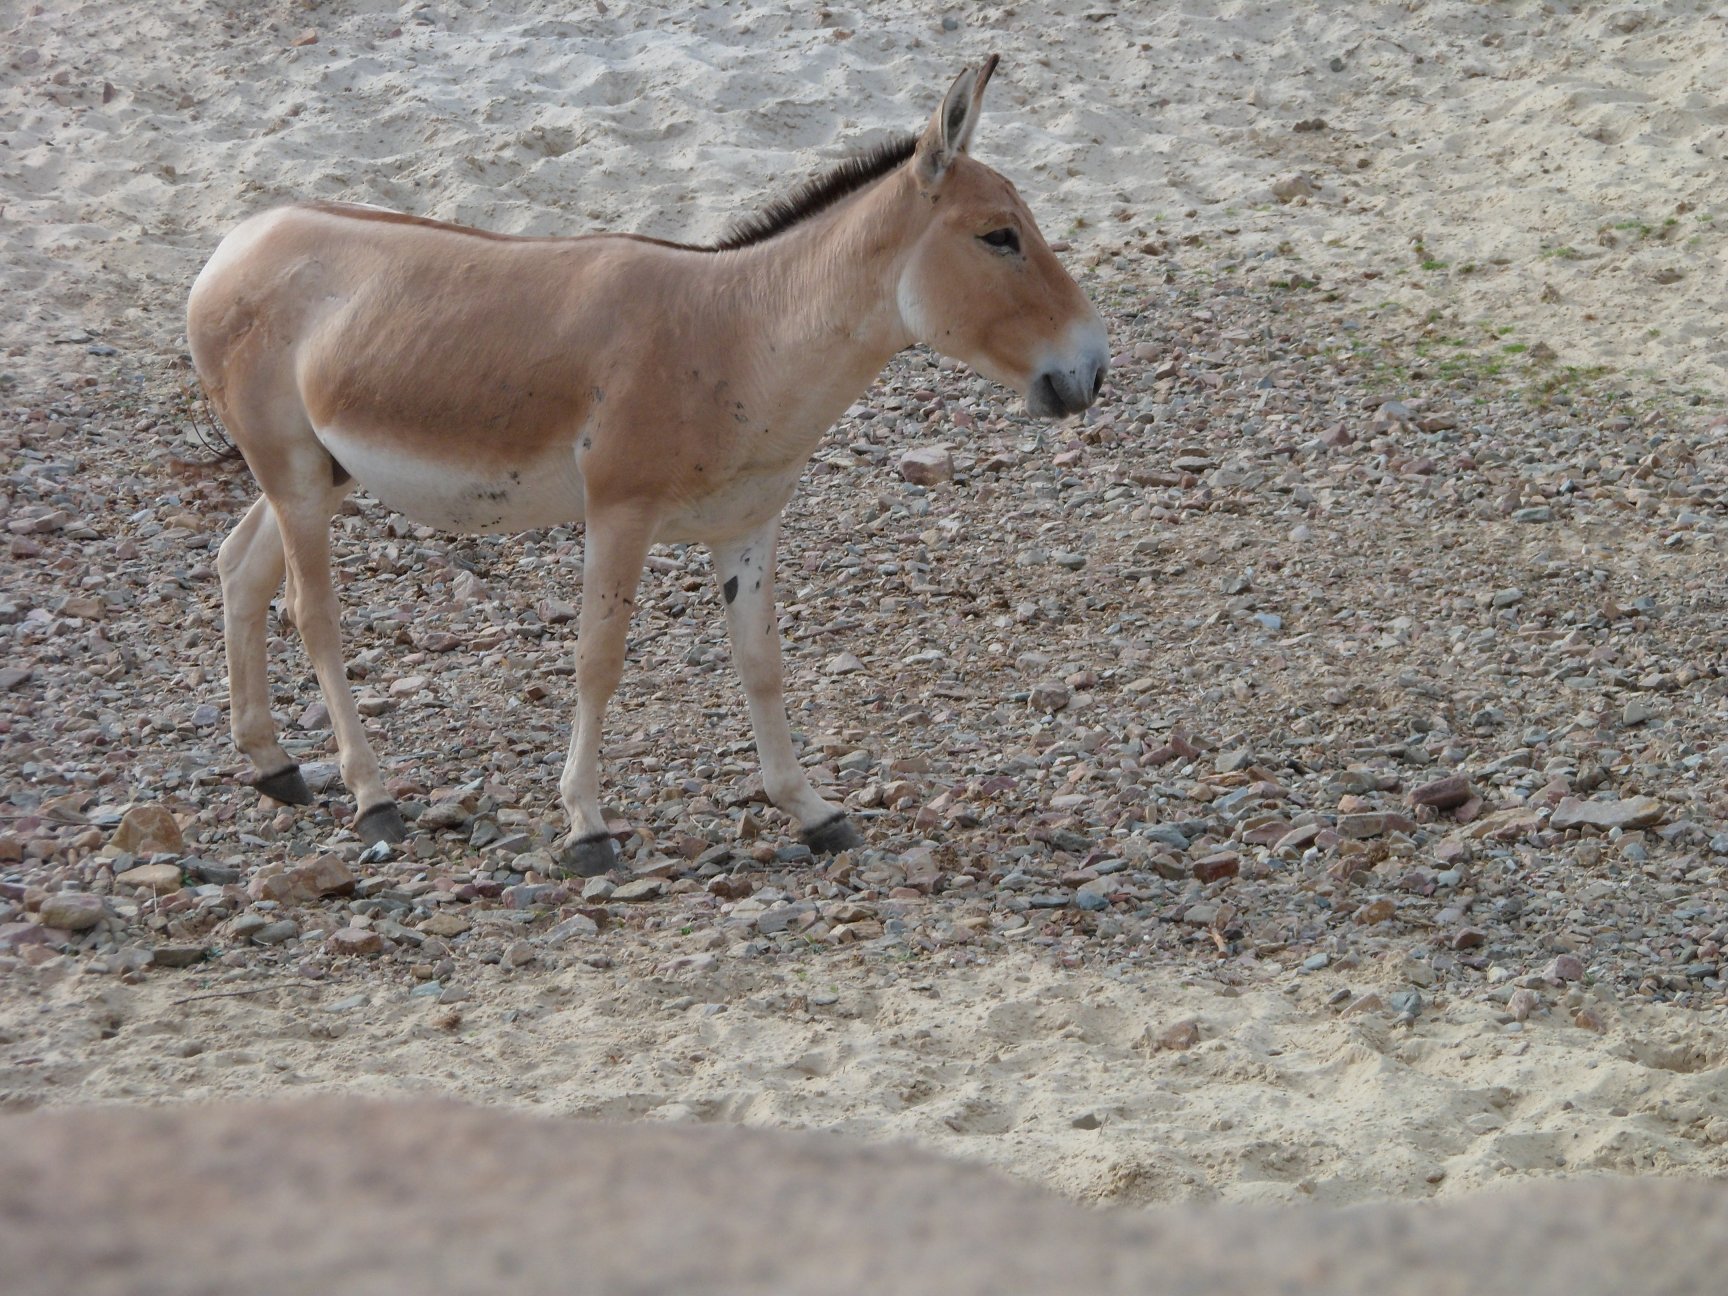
[[655, 391]]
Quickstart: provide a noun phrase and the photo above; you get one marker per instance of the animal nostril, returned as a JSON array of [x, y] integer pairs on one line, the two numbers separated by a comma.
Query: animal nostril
[[1098, 382]]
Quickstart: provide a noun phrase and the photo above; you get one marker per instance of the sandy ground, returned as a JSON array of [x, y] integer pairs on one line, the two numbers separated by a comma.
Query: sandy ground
[[1501, 176], [1529, 173], [1048, 1074]]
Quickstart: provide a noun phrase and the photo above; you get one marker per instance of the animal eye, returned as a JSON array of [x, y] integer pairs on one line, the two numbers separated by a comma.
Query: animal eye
[[1005, 240]]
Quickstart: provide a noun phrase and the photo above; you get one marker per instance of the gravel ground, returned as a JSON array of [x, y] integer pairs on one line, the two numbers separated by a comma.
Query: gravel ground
[[1305, 648]]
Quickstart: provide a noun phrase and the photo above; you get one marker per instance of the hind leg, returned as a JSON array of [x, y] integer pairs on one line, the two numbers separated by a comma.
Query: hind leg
[[250, 564]]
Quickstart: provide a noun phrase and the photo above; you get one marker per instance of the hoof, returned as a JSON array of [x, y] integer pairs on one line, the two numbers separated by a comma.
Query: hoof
[[382, 823], [589, 857], [286, 786], [832, 836]]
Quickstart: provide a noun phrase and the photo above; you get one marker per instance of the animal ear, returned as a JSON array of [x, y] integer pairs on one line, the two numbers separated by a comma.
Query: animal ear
[[949, 133]]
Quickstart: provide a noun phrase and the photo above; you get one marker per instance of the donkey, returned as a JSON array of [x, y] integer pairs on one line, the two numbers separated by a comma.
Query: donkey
[[657, 392]]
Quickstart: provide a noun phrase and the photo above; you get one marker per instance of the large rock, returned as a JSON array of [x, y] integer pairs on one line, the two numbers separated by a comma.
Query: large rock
[[433, 1198]]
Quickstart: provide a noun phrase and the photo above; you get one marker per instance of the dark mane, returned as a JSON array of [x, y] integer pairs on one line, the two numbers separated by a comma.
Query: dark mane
[[818, 193], [780, 215]]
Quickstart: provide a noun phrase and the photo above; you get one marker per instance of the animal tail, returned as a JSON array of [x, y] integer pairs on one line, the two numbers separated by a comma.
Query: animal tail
[[201, 417]]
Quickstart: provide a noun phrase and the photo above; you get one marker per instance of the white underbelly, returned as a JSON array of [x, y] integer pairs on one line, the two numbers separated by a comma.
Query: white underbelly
[[464, 497], [736, 510]]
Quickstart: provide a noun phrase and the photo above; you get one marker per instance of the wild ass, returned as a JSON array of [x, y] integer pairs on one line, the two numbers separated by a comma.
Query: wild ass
[[658, 392]]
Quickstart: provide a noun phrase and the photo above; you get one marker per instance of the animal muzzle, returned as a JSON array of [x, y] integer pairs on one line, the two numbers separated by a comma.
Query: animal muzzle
[[1068, 389]]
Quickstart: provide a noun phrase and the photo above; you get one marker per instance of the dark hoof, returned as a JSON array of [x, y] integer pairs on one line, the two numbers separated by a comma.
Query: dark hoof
[[382, 823], [286, 786], [589, 857], [833, 836]]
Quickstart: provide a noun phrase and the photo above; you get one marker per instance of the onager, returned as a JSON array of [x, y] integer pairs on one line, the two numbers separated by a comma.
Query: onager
[[654, 391]]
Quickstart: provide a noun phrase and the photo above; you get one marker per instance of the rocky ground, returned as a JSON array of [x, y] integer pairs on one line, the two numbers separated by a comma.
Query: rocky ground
[[1314, 656]]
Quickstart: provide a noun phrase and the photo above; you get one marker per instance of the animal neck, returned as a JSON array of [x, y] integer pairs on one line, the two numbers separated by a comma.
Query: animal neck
[[827, 292]]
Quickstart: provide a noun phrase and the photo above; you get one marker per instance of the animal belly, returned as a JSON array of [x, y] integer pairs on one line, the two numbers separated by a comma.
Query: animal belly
[[464, 496]]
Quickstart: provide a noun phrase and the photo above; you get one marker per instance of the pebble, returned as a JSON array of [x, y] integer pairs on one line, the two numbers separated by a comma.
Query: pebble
[[159, 879], [354, 940], [1050, 696], [274, 933], [1634, 812], [1179, 1036], [1407, 1003], [575, 927], [146, 830], [927, 465]]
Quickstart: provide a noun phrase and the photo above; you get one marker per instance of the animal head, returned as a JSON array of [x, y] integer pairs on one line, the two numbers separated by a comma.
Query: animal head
[[981, 284]]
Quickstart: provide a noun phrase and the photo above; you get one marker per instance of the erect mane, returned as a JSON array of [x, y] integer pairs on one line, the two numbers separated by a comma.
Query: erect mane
[[818, 193]]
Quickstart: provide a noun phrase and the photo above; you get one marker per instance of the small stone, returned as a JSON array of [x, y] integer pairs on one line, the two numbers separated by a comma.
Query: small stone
[[1091, 901], [1214, 868], [1376, 911], [641, 889], [1637, 712], [324, 876], [1298, 838], [1564, 967], [354, 940], [1292, 187], [160, 879], [1522, 1004], [844, 664], [446, 925], [1406, 1003], [1374, 824], [444, 814], [1050, 696], [527, 895], [148, 830], [1442, 793], [1634, 812], [180, 956], [575, 927], [927, 465], [1418, 972], [72, 911], [1180, 1037], [274, 933], [520, 954]]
